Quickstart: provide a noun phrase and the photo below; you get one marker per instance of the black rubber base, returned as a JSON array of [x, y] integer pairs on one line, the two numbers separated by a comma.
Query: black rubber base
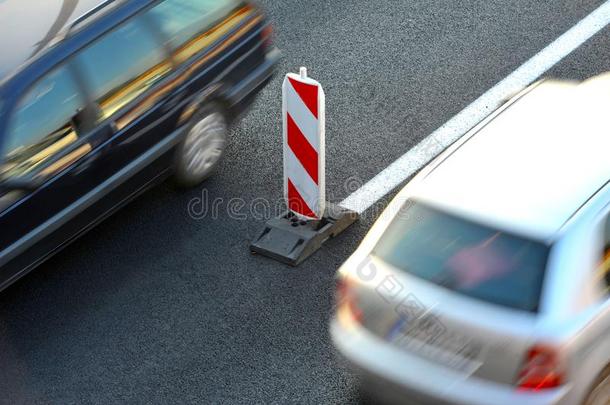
[[291, 241]]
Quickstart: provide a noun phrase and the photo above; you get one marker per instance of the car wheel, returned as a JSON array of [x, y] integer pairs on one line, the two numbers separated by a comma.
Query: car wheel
[[199, 153], [600, 393]]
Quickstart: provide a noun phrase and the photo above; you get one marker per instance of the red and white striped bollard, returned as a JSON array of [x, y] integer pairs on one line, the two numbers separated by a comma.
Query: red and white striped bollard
[[303, 111]]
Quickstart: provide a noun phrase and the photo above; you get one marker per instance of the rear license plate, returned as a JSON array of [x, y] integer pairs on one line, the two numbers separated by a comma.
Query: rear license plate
[[429, 338]]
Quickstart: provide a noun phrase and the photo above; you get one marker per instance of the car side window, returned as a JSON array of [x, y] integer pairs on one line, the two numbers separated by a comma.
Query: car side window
[[187, 23], [122, 65], [42, 125]]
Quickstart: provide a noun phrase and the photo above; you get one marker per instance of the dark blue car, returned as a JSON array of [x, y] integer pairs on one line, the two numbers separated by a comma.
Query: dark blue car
[[95, 109]]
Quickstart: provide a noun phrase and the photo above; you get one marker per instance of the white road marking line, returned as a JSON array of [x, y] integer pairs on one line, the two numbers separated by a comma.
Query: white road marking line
[[427, 149]]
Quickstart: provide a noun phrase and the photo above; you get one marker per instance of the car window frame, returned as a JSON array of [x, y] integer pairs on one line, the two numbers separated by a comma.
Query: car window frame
[[5, 111]]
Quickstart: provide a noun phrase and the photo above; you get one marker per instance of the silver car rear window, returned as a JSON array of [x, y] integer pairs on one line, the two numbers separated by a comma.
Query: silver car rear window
[[465, 257]]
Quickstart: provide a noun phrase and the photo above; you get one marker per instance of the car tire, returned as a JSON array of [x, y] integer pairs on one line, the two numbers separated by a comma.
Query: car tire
[[203, 146], [600, 393]]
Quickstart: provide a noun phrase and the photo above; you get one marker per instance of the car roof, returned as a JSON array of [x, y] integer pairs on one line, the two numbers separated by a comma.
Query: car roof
[[531, 168], [28, 26]]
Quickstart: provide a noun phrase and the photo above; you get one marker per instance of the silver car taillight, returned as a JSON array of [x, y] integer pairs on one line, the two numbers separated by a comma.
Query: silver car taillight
[[543, 369]]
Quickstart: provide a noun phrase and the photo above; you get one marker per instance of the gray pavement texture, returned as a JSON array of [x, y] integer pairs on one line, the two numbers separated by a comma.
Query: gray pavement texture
[[154, 306]]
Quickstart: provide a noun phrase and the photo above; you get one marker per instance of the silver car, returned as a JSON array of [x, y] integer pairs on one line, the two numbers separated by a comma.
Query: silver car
[[486, 279]]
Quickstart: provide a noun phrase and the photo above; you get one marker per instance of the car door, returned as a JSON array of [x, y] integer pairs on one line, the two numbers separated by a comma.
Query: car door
[[128, 74], [48, 168]]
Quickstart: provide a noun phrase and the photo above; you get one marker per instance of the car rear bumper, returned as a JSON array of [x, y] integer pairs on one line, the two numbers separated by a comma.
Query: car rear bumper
[[396, 376]]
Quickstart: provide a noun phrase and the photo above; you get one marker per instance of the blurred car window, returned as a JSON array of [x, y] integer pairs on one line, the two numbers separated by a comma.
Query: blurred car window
[[187, 23], [122, 65], [604, 267], [43, 124], [471, 259]]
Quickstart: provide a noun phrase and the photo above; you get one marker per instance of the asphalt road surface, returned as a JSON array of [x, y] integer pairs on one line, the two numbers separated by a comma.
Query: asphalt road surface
[[159, 305]]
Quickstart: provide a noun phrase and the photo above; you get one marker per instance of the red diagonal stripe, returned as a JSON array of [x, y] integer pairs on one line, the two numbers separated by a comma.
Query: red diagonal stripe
[[308, 93], [297, 204], [302, 149]]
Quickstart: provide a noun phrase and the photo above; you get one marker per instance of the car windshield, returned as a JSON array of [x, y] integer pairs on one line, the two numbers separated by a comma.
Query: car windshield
[[465, 257]]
